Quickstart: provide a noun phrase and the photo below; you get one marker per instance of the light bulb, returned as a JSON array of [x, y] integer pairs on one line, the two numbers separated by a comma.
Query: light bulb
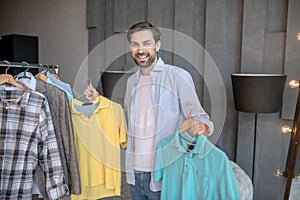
[[278, 173], [286, 129], [294, 84], [298, 36]]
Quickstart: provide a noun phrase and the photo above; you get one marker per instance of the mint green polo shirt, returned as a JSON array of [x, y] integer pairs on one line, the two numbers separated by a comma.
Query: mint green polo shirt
[[204, 173]]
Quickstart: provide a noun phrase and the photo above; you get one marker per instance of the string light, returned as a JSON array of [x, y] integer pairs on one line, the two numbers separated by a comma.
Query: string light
[[286, 129], [294, 84]]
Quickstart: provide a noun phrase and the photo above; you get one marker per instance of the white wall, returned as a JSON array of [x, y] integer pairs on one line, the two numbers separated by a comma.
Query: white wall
[[60, 26]]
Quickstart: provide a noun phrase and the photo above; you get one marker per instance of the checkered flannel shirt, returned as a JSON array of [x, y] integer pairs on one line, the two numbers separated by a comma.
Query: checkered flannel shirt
[[26, 138]]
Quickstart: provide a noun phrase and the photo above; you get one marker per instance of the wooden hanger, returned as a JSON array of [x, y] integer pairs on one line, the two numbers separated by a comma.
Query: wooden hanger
[[7, 78], [42, 77], [186, 124]]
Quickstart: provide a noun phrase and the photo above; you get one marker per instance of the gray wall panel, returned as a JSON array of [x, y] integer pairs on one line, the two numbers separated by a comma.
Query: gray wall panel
[[161, 13], [222, 41], [254, 23], [292, 59], [120, 15], [276, 16], [274, 53], [128, 12]]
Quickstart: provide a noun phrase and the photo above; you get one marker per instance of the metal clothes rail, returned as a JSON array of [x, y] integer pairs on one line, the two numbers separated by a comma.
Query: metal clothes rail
[[28, 65]]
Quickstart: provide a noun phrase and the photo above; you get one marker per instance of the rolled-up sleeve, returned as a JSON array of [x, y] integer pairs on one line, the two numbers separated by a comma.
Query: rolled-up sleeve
[[189, 101]]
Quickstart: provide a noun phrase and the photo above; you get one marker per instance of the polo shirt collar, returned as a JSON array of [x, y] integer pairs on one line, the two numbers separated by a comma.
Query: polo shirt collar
[[103, 103], [200, 147]]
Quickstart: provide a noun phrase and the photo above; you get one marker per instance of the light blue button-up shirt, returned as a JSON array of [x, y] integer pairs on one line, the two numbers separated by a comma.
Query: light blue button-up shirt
[[61, 85], [173, 97], [204, 173]]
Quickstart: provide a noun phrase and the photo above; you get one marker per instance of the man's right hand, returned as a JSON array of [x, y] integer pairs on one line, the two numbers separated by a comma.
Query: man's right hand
[[90, 93]]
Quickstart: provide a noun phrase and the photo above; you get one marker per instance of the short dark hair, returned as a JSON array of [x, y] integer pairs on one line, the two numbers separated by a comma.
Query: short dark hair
[[144, 26]]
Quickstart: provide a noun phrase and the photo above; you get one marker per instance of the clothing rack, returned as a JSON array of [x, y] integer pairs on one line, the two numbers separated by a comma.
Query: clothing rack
[[30, 65]]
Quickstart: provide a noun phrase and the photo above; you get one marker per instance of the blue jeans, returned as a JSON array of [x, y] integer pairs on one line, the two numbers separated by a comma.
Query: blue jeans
[[141, 189]]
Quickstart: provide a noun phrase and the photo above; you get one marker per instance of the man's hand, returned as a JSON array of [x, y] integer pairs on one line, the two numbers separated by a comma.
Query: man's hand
[[90, 93], [197, 128]]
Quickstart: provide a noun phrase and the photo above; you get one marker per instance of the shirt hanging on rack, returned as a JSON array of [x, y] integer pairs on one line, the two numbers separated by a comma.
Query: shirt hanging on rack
[[199, 174], [98, 133], [27, 138], [62, 120], [61, 116], [60, 84]]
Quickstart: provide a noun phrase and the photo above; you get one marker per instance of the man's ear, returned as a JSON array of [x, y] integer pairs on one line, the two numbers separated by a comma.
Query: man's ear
[[157, 46]]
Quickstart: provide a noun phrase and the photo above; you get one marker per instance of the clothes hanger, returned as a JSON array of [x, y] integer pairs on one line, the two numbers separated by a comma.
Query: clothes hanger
[[8, 78], [55, 71], [185, 126], [48, 70], [24, 73], [81, 95], [41, 76]]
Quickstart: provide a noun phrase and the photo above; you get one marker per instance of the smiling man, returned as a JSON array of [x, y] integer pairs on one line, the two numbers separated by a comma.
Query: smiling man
[[158, 98], [155, 102]]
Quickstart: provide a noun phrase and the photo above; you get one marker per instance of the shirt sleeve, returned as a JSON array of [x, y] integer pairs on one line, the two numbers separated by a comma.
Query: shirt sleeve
[[189, 101], [67, 133], [123, 128], [49, 156]]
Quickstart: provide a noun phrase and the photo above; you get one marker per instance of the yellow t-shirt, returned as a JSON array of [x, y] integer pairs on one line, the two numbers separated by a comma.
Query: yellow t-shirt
[[98, 135]]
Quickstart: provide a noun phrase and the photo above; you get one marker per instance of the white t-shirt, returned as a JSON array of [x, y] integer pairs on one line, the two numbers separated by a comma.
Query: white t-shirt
[[144, 127]]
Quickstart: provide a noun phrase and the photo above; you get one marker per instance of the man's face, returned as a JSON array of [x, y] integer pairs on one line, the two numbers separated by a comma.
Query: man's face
[[143, 48]]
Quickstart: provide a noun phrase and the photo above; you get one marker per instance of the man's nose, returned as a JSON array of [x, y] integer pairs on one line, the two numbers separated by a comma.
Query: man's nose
[[141, 48]]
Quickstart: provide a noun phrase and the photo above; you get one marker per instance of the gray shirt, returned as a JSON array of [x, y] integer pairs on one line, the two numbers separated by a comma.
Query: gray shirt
[[62, 121]]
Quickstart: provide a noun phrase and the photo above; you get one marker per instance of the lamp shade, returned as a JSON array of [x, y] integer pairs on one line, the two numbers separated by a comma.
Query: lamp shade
[[114, 84], [258, 93]]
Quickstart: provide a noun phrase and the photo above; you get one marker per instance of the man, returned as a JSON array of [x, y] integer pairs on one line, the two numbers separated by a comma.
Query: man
[[158, 98]]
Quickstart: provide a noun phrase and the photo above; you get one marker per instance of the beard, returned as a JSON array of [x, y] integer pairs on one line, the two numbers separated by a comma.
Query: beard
[[147, 62]]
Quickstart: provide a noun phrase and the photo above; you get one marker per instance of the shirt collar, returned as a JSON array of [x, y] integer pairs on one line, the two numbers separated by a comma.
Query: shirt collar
[[157, 67], [200, 146], [103, 103], [29, 82]]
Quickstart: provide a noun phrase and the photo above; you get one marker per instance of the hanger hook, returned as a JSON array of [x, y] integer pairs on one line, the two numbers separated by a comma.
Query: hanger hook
[[88, 79], [26, 64], [47, 67], [5, 61], [189, 107]]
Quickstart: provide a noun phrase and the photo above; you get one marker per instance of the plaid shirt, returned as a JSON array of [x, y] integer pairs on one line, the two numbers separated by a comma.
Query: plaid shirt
[[27, 138]]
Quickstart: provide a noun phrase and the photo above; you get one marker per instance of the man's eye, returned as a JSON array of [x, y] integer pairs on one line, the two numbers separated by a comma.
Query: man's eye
[[134, 45]]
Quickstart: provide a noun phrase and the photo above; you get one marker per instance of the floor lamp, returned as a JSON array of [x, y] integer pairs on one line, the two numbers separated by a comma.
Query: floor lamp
[[257, 93]]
